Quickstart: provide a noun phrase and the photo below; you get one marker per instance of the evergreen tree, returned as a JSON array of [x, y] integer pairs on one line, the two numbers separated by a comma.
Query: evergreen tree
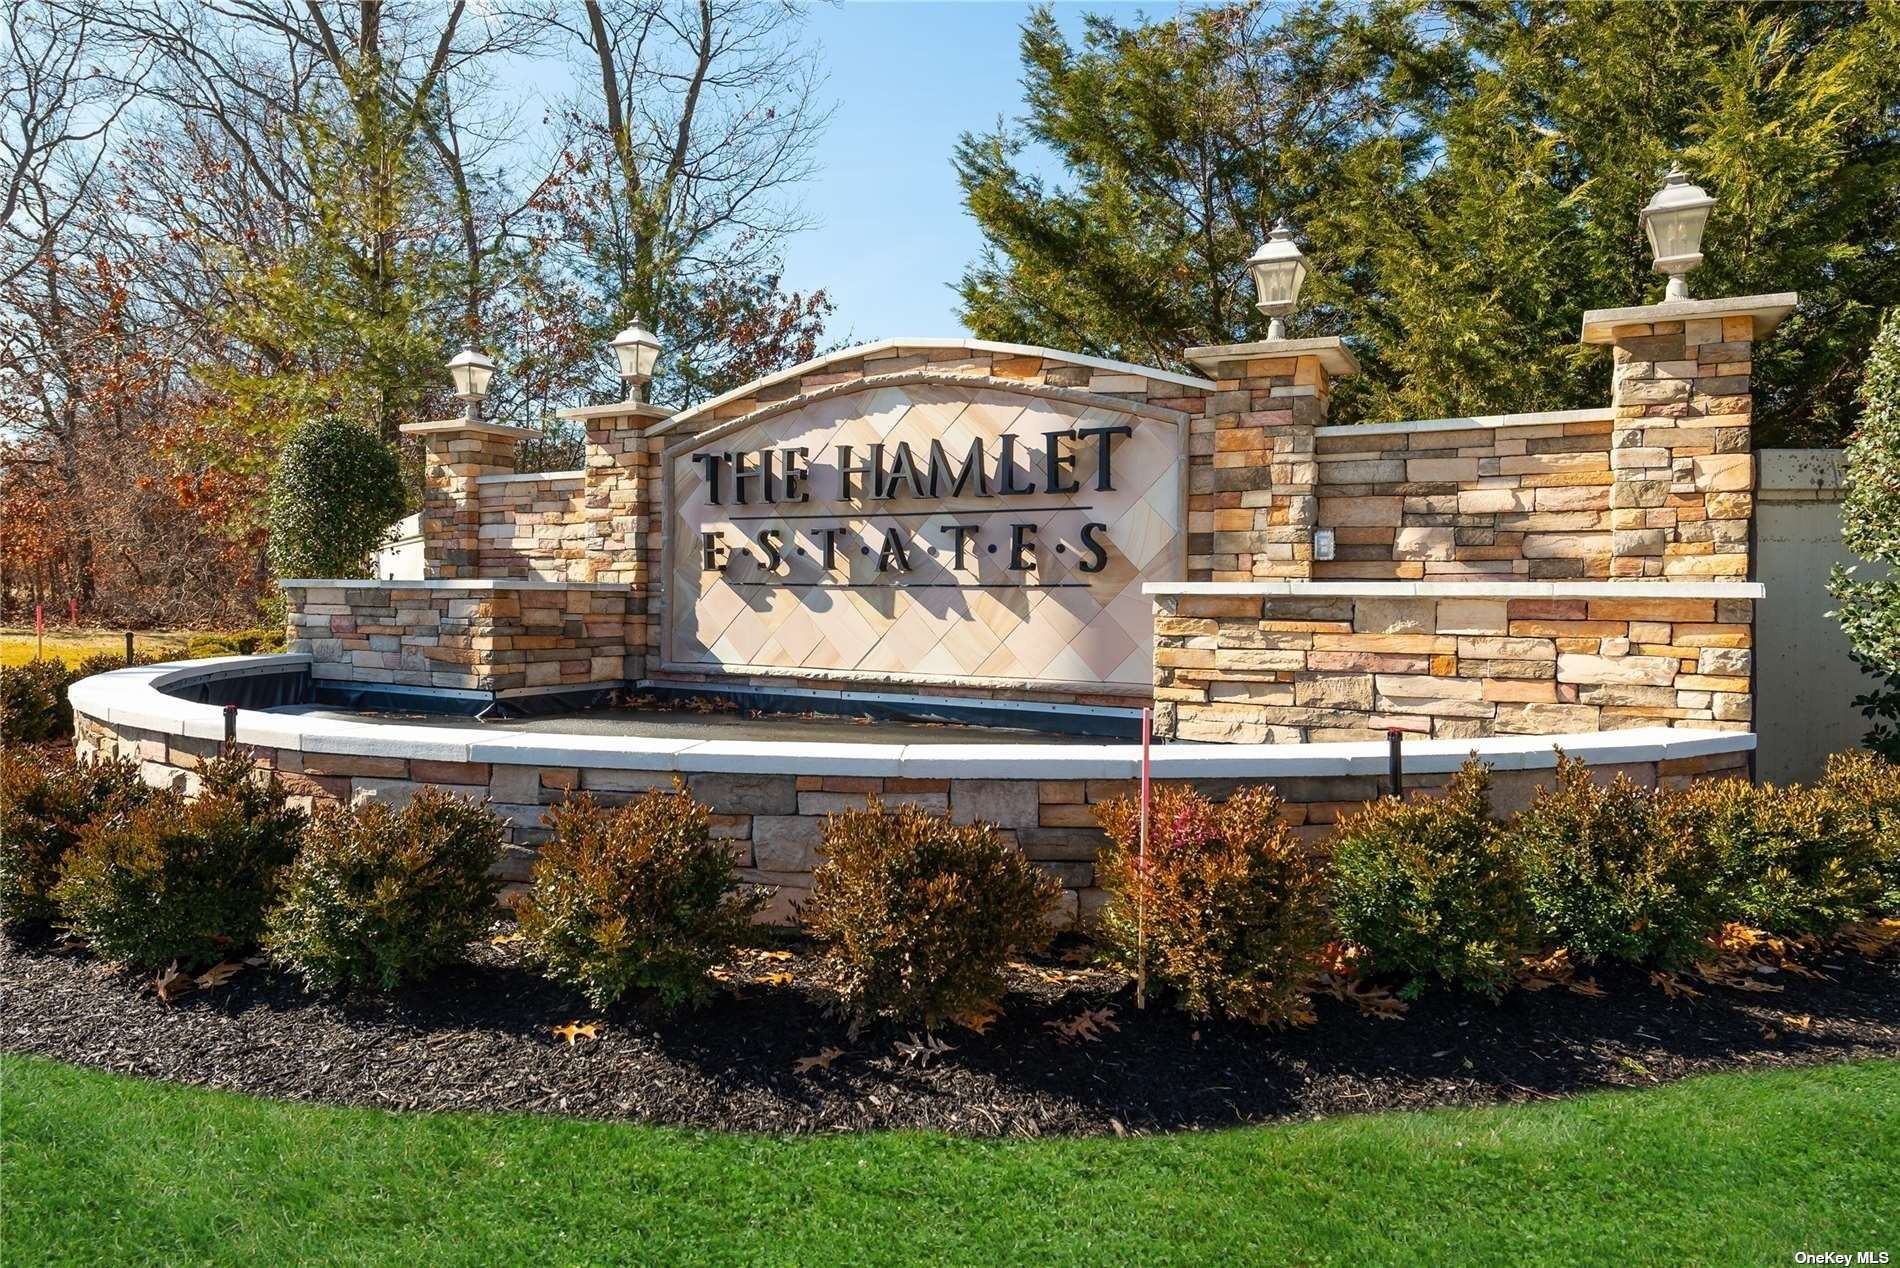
[[1466, 179]]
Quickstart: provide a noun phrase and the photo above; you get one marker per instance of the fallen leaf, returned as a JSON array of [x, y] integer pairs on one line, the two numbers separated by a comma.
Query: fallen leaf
[[979, 1019], [1086, 1025], [1673, 986], [503, 939], [775, 955], [777, 979], [921, 1050], [578, 1030], [172, 985], [219, 974], [805, 1065]]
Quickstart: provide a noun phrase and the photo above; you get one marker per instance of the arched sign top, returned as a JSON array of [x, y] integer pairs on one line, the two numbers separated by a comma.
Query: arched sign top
[[864, 359]]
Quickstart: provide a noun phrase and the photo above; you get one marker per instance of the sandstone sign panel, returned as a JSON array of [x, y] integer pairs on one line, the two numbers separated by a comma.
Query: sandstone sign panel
[[926, 532]]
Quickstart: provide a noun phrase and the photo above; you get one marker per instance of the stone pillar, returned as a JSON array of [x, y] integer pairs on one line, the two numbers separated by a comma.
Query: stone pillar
[[1252, 471], [1681, 446], [623, 508], [456, 452]]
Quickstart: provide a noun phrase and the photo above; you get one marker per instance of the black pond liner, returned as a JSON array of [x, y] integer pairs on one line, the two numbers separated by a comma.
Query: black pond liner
[[292, 687]]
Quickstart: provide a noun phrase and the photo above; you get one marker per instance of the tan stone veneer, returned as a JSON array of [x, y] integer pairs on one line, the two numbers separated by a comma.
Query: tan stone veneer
[[769, 800], [1302, 662], [496, 637]]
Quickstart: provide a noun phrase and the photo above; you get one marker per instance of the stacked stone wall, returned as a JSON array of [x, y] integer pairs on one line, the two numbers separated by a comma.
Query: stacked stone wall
[[1254, 668], [1523, 501], [480, 637], [533, 527]]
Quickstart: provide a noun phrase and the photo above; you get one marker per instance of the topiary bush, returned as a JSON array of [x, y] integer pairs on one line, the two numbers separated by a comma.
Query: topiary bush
[[45, 800], [1611, 874], [377, 897], [1792, 860], [1230, 901], [33, 707], [1429, 888], [337, 490], [177, 880], [1865, 789], [919, 915], [635, 896]]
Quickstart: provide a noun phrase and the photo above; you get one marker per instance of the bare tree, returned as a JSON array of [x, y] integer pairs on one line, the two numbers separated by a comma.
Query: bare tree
[[699, 120]]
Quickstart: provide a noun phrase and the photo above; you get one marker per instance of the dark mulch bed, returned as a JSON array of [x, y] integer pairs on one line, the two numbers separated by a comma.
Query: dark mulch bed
[[481, 1037]]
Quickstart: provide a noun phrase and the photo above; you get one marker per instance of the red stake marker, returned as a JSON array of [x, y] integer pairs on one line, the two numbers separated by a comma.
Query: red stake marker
[[1141, 870]]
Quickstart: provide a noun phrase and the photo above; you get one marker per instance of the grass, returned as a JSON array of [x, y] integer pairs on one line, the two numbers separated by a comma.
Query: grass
[[17, 644], [1738, 1168]]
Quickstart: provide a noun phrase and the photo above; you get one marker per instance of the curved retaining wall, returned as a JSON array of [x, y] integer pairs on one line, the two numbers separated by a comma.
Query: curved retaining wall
[[769, 798]]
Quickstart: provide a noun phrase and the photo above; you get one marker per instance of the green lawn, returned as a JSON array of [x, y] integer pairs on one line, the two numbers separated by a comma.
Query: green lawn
[[1722, 1170]]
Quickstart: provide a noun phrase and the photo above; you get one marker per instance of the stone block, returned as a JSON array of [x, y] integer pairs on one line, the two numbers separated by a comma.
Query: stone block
[[1648, 671], [1392, 616], [1007, 803], [786, 843], [1333, 691], [745, 793]]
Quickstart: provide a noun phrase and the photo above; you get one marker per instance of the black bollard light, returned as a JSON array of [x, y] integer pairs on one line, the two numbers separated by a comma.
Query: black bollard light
[[230, 724], [128, 647], [1395, 764]]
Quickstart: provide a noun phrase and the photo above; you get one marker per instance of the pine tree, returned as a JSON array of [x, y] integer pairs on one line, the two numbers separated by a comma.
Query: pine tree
[[1466, 179]]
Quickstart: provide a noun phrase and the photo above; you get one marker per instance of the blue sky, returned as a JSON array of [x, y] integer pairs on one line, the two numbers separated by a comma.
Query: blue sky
[[892, 237]]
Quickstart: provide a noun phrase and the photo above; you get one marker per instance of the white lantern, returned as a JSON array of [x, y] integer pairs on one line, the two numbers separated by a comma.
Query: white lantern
[[637, 349], [1674, 221], [471, 371], [1279, 270]]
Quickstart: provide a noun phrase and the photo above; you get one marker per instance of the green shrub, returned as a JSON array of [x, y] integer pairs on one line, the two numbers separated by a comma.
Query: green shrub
[[337, 489], [1793, 860], [1869, 610], [638, 896], [44, 803], [1429, 888], [1229, 900], [1611, 874], [177, 880], [1865, 789], [33, 707], [377, 897], [919, 915]]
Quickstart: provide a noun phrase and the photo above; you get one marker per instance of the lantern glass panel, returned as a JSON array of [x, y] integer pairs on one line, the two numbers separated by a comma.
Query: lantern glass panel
[[1278, 282]]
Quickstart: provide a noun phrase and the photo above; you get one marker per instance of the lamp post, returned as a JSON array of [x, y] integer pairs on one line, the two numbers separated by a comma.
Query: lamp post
[[1674, 221], [637, 350], [471, 370], [1279, 270]]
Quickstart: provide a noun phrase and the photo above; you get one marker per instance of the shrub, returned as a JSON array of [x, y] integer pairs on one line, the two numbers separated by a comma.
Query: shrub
[[1866, 791], [44, 803], [1869, 610], [919, 915], [1610, 874], [33, 707], [1429, 888], [637, 896], [377, 897], [1793, 860], [1230, 901], [182, 880], [337, 489]]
